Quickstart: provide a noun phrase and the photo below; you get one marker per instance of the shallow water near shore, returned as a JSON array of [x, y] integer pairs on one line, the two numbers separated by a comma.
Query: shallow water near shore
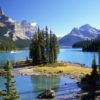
[[29, 87]]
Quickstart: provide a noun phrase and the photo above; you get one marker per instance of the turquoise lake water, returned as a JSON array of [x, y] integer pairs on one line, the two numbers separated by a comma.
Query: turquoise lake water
[[69, 54], [77, 56], [29, 87]]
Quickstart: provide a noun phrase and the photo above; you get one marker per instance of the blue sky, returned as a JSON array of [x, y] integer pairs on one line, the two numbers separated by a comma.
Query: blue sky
[[59, 15]]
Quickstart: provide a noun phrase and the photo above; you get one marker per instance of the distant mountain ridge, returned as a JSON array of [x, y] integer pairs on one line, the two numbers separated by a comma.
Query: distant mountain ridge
[[79, 34]]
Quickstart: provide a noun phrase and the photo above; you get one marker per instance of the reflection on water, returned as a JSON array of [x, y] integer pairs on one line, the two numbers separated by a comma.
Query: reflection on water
[[29, 87], [45, 82], [2, 83]]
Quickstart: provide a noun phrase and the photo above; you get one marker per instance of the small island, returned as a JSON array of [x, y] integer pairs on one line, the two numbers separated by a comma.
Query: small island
[[44, 50], [73, 70]]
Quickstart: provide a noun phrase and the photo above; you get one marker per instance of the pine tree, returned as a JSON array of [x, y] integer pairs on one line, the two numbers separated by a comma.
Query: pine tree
[[38, 31], [44, 47], [47, 45], [99, 62], [51, 59], [38, 55], [55, 47], [94, 67], [33, 49], [10, 92]]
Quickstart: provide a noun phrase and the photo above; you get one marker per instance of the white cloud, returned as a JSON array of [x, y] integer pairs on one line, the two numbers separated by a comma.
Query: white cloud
[[34, 24]]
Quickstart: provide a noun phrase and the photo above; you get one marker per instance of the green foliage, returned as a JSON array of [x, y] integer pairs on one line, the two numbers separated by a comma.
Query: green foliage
[[33, 49], [3, 30], [6, 44], [44, 47], [10, 92], [55, 47], [22, 43], [47, 44], [99, 60], [90, 83], [94, 66], [88, 45], [27, 60]]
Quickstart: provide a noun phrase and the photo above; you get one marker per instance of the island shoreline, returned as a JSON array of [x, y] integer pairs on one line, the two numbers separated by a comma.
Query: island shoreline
[[72, 70]]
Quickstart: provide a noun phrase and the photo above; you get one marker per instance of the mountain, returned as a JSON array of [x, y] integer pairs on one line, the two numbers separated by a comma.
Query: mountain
[[29, 28], [22, 32], [79, 34]]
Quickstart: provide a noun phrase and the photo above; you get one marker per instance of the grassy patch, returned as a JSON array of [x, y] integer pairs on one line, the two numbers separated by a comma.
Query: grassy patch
[[64, 69], [76, 71]]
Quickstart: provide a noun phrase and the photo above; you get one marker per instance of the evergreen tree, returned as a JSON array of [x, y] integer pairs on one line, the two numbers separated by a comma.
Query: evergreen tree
[[27, 60], [38, 31], [88, 45], [99, 62], [94, 67], [10, 92], [51, 48], [39, 54], [33, 49], [44, 47], [47, 45], [55, 47]]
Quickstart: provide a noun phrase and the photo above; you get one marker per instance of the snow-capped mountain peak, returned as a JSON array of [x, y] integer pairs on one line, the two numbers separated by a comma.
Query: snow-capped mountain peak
[[85, 27], [78, 34]]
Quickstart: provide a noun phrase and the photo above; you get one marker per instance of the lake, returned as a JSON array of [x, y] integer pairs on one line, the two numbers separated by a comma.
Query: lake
[[77, 56], [29, 87], [66, 54]]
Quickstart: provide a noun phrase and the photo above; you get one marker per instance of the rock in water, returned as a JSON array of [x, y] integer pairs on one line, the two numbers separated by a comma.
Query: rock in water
[[46, 94]]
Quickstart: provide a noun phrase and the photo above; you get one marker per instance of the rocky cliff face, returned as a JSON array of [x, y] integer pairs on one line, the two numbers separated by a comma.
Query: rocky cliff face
[[17, 30], [29, 28]]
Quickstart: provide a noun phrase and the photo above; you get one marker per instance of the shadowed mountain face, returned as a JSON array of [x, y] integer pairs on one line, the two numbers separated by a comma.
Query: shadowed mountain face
[[78, 34]]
